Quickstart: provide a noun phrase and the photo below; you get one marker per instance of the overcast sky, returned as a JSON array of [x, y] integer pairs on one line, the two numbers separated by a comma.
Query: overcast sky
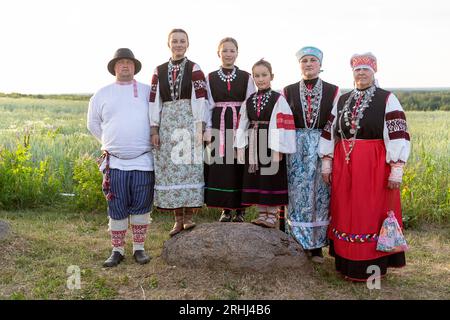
[[51, 46]]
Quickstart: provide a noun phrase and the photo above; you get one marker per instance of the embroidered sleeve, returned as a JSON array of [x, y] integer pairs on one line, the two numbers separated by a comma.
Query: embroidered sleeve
[[153, 87], [396, 125], [199, 101], [395, 134], [282, 128], [199, 83], [285, 121], [155, 103], [327, 139]]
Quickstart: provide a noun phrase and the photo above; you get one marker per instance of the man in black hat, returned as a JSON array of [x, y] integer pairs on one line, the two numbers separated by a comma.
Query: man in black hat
[[118, 118]]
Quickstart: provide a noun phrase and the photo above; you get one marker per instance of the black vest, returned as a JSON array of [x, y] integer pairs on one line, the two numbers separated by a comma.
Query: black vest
[[266, 113], [372, 123], [219, 90], [186, 83], [292, 93]]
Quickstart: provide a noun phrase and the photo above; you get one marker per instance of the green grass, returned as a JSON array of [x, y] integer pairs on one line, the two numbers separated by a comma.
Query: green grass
[[44, 243], [57, 130], [426, 187]]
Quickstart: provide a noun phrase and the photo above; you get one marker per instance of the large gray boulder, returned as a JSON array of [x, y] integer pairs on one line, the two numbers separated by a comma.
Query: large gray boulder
[[4, 229], [234, 246]]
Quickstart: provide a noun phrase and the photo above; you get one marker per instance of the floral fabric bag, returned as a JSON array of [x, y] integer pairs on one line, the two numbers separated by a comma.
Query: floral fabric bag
[[391, 238]]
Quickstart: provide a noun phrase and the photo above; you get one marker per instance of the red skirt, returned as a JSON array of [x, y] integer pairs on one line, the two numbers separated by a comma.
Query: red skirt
[[360, 200]]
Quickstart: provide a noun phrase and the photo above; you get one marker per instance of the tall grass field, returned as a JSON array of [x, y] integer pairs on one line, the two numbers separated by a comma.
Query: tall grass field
[[45, 143]]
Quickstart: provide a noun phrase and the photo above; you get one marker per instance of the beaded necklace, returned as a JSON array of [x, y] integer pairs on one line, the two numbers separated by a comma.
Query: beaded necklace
[[260, 101], [352, 118], [176, 71], [228, 78], [310, 99]]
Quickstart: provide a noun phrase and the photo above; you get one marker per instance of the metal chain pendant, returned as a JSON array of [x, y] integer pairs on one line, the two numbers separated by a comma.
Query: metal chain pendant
[[263, 100], [310, 117], [352, 118], [227, 77], [175, 84]]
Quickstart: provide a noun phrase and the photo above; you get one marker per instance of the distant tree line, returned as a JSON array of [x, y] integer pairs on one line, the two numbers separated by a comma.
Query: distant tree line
[[424, 100], [80, 97], [421, 100]]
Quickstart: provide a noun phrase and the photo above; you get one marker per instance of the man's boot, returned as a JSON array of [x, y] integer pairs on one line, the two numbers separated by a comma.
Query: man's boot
[[141, 257], [115, 258]]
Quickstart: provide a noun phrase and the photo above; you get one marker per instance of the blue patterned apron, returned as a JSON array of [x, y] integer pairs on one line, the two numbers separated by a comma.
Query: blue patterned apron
[[309, 196]]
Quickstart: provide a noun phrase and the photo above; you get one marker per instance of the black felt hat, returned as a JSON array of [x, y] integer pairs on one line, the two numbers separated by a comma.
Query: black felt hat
[[124, 53]]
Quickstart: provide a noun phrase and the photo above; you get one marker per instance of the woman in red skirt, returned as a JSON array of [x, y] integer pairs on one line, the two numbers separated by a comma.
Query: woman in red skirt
[[363, 149]]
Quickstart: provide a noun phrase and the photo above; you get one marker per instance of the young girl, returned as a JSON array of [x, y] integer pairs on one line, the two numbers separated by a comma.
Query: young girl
[[227, 89], [266, 131]]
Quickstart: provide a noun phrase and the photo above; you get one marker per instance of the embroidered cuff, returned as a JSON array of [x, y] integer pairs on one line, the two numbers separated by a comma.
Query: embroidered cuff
[[396, 172], [327, 164]]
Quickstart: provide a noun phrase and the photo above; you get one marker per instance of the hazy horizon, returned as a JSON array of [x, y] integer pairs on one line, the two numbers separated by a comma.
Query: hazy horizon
[[277, 89]]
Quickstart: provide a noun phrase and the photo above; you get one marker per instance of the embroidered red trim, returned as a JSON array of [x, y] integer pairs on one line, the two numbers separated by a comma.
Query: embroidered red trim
[[285, 121], [153, 88], [358, 238], [396, 125], [199, 83], [139, 232]]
